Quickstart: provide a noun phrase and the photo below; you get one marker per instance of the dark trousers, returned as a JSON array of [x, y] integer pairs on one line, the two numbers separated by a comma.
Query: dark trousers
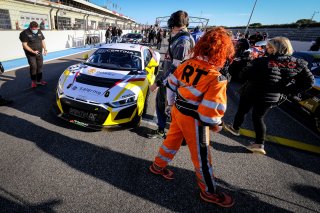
[[35, 62], [159, 44], [160, 107], [259, 111]]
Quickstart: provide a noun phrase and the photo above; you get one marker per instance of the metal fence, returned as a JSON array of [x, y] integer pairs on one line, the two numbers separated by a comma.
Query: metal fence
[[295, 34]]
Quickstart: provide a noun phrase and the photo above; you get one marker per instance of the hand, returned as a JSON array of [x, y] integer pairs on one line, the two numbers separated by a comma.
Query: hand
[[36, 52], [217, 128], [45, 52], [154, 87], [168, 110]]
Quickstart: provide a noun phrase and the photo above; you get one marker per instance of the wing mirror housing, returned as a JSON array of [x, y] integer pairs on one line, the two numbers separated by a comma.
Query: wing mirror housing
[[85, 56]]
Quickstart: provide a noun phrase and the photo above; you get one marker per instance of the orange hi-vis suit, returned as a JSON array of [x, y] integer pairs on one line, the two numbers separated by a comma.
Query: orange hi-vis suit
[[200, 104]]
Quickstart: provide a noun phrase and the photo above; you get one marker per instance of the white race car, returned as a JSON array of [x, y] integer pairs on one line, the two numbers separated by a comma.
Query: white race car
[[110, 88]]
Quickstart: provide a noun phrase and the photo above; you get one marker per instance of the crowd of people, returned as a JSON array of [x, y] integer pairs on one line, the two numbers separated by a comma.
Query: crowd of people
[[113, 34], [192, 93], [192, 90]]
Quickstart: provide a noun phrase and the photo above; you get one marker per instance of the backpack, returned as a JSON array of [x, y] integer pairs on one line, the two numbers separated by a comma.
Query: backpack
[[174, 41]]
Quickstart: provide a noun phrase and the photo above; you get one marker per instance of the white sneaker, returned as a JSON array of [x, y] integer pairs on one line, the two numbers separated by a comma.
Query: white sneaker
[[256, 148]]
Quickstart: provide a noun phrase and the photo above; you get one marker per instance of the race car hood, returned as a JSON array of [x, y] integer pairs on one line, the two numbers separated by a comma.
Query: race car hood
[[95, 85], [102, 73]]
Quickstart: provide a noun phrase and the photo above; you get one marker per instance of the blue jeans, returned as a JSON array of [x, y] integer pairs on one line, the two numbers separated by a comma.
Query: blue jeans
[[114, 39]]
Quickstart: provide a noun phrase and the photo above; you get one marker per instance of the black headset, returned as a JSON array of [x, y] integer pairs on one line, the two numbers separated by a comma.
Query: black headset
[[174, 19]]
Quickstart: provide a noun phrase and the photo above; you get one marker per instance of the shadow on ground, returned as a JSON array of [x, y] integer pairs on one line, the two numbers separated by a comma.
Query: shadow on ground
[[125, 172]]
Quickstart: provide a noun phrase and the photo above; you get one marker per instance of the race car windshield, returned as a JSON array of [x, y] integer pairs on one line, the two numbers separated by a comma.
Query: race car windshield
[[115, 59]]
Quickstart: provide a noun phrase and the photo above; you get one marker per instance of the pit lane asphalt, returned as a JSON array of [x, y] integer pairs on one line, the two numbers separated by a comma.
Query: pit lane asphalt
[[47, 164]]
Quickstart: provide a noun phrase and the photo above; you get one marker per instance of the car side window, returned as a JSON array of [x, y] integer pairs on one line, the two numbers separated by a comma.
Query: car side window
[[147, 56]]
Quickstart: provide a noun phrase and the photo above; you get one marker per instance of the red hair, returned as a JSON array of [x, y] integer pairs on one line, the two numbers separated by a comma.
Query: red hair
[[216, 46]]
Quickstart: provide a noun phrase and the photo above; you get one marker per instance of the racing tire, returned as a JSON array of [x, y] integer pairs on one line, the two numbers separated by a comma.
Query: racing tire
[[135, 122]]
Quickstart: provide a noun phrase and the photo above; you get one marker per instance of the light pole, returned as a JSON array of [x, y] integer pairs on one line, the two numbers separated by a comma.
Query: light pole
[[250, 16], [313, 14]]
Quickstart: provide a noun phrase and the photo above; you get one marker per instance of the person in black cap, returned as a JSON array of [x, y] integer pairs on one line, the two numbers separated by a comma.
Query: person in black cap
[[33, 45]]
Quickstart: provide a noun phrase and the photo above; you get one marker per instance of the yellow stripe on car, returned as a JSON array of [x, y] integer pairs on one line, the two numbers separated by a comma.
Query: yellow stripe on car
[[59, 105]]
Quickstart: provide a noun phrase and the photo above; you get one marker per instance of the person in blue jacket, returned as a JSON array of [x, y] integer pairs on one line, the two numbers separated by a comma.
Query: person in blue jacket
[[197, 34]]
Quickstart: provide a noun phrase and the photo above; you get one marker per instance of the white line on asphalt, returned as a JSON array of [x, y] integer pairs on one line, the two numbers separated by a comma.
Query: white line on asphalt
[[48, 60]]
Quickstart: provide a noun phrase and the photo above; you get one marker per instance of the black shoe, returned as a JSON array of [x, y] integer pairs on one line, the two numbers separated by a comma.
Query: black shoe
[[157, 134], [4, 102]]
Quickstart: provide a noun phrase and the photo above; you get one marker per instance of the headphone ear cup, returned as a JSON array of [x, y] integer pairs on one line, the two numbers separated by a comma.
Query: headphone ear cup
[[170, 22], [187, 24]]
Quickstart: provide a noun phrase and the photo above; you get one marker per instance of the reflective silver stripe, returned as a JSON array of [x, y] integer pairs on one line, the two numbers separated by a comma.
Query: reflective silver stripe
[[194, 91], [172, 86], [168, 160], [170, 151], [176, 62], [173, 78], [210, 120], [208, 158], [214, 105], [189, 101], [198, 150]]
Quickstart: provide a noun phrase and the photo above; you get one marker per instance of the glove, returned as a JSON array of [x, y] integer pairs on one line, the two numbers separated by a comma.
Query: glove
[[168, 111], [217, 128]]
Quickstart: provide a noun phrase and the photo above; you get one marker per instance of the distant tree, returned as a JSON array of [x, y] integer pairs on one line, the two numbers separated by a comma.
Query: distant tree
[[255, 25], [305, 22]]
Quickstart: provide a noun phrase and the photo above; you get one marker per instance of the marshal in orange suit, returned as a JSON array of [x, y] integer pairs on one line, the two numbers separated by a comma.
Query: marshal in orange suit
[[200, 103]]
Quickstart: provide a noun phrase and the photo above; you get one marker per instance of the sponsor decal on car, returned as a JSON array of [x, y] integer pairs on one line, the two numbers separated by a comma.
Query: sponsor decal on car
[[92, 71], [126, 96], [81, 97], [90, 91], [79, 123], [106, 73]]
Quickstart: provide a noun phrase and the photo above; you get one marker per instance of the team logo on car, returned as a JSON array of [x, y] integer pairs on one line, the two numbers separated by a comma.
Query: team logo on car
[[92, 71]]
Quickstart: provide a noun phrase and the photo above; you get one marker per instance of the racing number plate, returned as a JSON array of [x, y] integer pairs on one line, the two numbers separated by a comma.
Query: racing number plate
[[82, 114]]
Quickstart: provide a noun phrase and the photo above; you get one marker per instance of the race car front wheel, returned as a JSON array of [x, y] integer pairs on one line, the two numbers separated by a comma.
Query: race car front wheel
[[135, 122]]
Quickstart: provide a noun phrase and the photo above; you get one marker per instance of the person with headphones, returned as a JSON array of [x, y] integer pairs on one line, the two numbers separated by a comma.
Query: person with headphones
[[180, 44]]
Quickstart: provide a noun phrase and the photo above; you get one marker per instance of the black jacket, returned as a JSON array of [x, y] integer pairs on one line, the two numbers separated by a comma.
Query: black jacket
[[269, 77]]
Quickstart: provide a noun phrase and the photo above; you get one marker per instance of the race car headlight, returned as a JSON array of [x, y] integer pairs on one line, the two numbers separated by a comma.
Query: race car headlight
[[124, 102]]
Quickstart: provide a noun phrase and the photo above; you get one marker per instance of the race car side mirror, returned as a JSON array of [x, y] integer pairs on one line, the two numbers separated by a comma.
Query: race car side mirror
[[85, 56]]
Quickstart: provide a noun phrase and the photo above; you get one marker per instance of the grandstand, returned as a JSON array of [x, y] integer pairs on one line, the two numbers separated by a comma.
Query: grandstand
[[294, 34], [60, 15], [66, 23]]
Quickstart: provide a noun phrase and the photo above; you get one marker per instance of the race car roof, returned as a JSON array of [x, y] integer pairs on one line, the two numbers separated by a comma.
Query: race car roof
[[123, 46]]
